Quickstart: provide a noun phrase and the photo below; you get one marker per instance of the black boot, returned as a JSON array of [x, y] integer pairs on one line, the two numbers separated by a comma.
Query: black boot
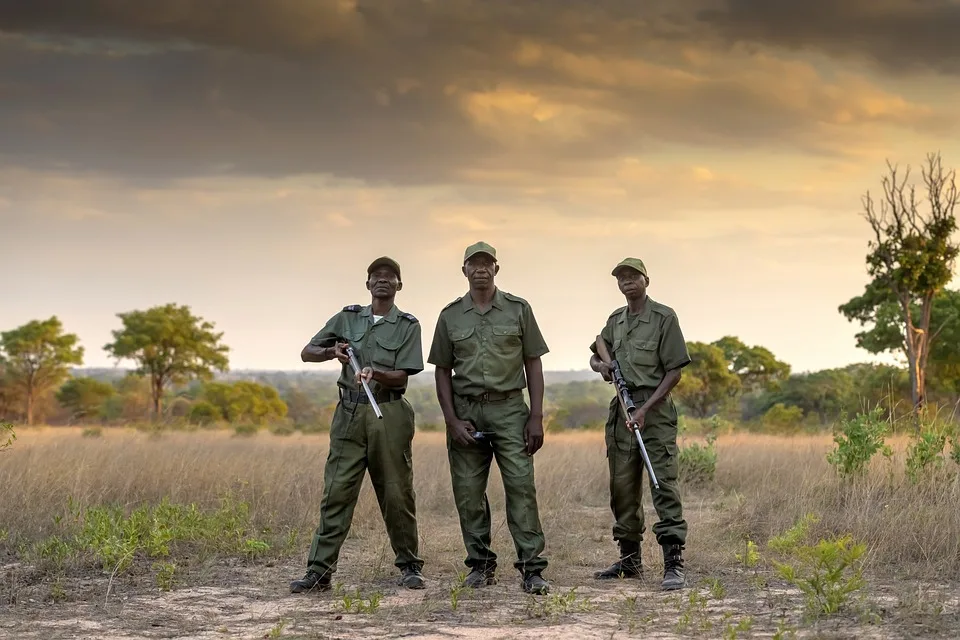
[[628, 566], [672, 568], [310, 582]]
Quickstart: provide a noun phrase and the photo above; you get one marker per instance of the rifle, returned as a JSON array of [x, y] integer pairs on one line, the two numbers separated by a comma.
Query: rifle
[[626, 403], [356, 369]]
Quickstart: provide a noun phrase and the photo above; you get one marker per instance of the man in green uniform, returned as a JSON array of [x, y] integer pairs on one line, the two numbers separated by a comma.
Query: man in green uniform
[[486, 349], [645, 338], [387, 344]]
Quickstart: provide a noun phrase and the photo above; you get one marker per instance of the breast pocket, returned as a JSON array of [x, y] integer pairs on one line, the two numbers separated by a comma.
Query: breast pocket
[[385, 352], [507, 340], [464, 342], [645, 352]]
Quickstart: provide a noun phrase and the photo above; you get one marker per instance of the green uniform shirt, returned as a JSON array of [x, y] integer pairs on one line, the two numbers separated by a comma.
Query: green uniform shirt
[[392, 344], [647, 345], [487, 350]]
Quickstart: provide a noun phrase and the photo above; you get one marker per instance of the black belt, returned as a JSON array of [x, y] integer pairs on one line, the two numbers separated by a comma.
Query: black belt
[[360, 397], [493, 396]]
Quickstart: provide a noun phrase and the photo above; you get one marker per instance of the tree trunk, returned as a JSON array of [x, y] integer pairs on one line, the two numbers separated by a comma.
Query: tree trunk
[[29, 408], [157, 390]]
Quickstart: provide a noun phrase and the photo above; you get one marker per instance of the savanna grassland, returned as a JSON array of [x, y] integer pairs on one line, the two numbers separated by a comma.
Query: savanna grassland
[[122, 533]]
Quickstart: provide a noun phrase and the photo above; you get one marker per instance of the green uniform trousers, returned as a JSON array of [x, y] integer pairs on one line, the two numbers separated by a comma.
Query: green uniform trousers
[[503, 421], [627, 469], [359, 442]]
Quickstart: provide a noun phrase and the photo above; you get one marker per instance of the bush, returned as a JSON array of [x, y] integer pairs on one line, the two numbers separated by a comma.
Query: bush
[[925, 453], [857, 441], [7, 435], [204, 413], [698, 463]]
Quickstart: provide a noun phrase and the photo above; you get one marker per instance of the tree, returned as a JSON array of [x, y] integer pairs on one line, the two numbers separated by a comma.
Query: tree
[[707, 381], [756, 366], [36, 357], [911, 258], [245, 401], [84, 397], [170, 345]]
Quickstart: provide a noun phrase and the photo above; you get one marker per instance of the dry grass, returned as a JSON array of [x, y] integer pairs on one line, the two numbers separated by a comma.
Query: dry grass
[[763, 486]]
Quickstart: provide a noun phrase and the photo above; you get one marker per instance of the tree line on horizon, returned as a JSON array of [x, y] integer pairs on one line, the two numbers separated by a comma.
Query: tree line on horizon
[[181, 360]]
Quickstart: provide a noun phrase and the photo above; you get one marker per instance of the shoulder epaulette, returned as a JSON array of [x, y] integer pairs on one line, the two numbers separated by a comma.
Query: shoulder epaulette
[[409, 316], [617, 312], [514, 298], [450, 304], [661, 308], [354, 308]]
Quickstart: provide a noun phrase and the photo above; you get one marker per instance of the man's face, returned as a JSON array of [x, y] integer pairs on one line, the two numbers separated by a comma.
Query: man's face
[[480, 269], [383, 282], [632, 283]]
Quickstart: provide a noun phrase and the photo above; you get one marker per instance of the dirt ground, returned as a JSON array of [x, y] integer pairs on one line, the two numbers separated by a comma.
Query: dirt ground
[[254, 602]]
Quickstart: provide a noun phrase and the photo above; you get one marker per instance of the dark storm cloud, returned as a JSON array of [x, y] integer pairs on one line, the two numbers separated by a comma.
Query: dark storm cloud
[[900, 35], [407, 92]]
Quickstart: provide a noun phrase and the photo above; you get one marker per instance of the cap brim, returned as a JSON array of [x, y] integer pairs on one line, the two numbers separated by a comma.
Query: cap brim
[[486, 253], [383, 263]]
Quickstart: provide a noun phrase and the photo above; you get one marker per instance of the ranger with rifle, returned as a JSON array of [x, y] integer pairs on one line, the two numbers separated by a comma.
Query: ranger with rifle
[[372, 431], [642, 350]]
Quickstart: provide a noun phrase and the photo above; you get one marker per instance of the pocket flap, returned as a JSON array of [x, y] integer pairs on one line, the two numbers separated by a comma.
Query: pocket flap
[[461, 334], [390, 344], [506, 330], [645, 345]]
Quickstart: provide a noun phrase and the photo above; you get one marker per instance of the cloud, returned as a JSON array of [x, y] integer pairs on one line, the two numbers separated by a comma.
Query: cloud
[[480, 94], [899, 36]]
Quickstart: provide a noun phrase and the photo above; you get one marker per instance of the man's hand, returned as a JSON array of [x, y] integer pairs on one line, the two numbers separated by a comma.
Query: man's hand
[[605, 371], [533, 434], [637, 420], [340, 352], [462, 432], [365, 374]]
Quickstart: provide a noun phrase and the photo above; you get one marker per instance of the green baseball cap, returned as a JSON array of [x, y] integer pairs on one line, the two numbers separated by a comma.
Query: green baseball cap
[[479, 247], [384, 261], [632, 263]]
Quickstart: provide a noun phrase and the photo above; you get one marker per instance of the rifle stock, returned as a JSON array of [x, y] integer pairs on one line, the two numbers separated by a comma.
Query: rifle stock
[[626, 403]]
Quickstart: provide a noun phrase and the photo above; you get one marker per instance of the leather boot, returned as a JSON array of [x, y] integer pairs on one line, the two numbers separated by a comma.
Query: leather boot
[[672, 568], [628, 566]]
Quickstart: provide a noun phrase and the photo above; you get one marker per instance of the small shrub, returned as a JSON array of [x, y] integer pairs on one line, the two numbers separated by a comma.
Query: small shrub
[[204, 413], [955, 447], [282, 430], [925, 454], [827, 573], [782, 419], [698, 463], [246, 430], [857, 441], [7, 435], [92, 432]]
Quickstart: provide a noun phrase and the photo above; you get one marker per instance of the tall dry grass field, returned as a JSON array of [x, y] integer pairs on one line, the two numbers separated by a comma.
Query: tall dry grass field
[[763, 486]]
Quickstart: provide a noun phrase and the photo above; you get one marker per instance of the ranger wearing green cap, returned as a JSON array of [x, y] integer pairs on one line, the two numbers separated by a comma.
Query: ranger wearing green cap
[[387, 344], [645, 338], [486, 349]]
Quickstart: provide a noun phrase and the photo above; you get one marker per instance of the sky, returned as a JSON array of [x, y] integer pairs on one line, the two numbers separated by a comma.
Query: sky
[[249, 158]]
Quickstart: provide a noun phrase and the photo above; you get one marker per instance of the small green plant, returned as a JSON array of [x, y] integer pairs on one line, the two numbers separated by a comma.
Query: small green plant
[[925, 454], [784, 631], [790, 539], [693, 615], [355, 602], [955, 446], [858, 440], [277, 629], [92, 432], [717, 590], [731, 630], [165, 575], [750, 556], [558, 603], [698, 463], [827, 573]]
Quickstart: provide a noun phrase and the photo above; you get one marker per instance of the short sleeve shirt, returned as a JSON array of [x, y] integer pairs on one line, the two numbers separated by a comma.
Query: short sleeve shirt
[[391, 344], [487, 349], [647, 345]]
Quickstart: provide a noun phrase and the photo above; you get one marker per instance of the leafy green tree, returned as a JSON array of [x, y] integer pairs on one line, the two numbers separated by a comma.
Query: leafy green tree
[[757, 367], [170, 345], [707, 382], [245, 401], [84, 397], [911, 259], [36, 357]]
